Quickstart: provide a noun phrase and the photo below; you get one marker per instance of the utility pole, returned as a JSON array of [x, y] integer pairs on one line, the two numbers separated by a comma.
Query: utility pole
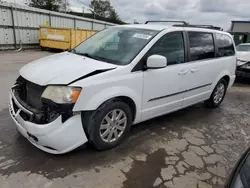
[[65, 6]]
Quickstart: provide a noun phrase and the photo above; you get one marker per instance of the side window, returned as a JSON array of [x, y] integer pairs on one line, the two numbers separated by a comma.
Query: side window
[[225, 45], [201, 45], [171, 46]]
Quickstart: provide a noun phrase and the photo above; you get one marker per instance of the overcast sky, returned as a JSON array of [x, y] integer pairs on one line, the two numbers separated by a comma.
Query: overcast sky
[[215, 12]]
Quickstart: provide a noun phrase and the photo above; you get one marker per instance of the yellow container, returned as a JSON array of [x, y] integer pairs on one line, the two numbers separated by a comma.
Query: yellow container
[[62, 38]]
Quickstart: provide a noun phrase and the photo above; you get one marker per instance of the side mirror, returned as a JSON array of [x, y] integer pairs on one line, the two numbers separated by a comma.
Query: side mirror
[[156, 62], [240, 177]]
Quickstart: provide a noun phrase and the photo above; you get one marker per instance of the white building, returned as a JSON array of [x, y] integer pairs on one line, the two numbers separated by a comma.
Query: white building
[[78, 6], [240, 26]]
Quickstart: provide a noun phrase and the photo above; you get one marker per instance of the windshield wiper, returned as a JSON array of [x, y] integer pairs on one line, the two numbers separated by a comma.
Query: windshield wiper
[[73, 50], [92, 56], [85, 54], [79, 53]]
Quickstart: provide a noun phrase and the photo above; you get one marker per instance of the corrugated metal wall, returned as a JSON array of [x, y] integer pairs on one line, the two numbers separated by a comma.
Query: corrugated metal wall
[[19, 24]]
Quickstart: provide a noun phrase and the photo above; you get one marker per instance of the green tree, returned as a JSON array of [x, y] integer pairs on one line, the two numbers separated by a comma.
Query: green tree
[[101, 7], [113, 16], [54, 5]]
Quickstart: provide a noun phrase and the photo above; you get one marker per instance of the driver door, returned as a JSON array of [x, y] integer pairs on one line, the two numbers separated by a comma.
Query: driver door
[[164, 88]]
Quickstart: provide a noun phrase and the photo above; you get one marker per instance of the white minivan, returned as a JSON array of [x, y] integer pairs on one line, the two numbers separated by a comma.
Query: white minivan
[[121, 76]]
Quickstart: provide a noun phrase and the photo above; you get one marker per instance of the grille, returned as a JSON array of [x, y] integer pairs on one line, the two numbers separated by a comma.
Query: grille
[[30, 93]]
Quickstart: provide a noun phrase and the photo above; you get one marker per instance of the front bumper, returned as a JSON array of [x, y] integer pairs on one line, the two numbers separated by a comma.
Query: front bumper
[[55, 137], [243, 74], [243, 70]]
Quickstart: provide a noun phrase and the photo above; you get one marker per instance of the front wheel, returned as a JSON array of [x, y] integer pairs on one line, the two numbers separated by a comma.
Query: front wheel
[[110, 124], [218, 94]]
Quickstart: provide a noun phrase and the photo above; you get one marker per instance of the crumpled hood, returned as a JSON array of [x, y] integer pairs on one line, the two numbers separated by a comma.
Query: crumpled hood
[[245, 56], [61, 68]]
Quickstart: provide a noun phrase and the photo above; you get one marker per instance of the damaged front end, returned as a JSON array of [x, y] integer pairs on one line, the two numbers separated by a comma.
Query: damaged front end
[[49, 126], [43, 111], [243, 70]]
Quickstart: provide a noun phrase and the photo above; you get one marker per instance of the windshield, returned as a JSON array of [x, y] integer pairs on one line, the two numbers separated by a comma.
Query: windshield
[[117, 45], [243, 48]]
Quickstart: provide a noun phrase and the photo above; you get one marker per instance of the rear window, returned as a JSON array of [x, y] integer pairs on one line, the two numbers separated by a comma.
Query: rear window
[[243, 48], [201, 45], [225, 45]]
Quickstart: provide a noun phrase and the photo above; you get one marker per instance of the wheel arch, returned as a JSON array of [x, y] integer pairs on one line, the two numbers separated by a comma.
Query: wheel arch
[[128, 101], [129, 97], [226, 78], [223, 75]]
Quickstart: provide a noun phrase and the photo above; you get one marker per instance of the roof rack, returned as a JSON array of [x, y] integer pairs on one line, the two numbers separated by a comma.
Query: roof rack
[[170, 21], [185, 24], [199, 26]]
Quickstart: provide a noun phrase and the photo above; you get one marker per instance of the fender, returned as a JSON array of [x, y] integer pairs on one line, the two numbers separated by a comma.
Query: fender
[[102, 96]]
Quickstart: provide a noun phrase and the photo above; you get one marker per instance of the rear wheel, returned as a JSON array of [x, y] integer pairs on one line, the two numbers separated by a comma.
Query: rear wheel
[[218, 94], [110, 124]]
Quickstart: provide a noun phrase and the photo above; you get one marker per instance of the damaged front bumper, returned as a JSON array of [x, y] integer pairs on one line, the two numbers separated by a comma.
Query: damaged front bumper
[[55, 137], [243, 71]]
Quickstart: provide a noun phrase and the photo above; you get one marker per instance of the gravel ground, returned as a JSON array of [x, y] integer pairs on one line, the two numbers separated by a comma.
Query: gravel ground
[[194, 147]]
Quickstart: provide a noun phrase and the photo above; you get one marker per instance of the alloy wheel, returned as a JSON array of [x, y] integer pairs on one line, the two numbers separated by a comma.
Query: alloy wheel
[[219, 93], [113, 125]]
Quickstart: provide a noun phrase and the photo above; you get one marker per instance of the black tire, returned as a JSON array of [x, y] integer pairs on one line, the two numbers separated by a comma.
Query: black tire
[[95, 119], [210, 103]]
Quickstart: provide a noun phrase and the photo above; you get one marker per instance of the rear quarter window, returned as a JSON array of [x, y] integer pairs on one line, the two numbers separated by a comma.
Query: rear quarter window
[[225, 45]]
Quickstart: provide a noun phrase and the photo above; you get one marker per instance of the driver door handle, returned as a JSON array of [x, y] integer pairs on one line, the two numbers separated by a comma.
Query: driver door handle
[[183, 72], [194, 70]]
